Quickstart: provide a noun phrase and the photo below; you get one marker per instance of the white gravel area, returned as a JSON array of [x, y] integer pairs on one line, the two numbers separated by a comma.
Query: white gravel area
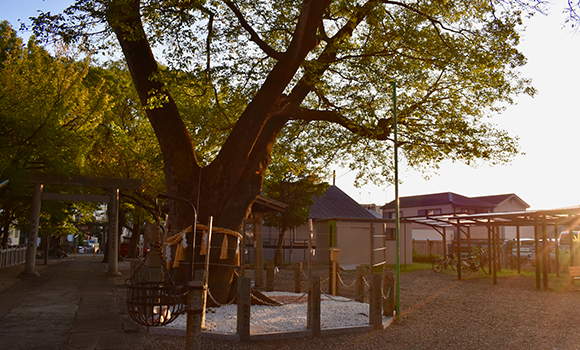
[[438, 312], [337, 313]]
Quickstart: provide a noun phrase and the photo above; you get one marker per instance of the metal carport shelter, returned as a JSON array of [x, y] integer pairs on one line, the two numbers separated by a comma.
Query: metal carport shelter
[[539, 219]]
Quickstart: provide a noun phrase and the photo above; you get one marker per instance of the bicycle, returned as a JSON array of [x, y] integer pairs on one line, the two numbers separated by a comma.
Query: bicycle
[[474, 263], [443, 263]]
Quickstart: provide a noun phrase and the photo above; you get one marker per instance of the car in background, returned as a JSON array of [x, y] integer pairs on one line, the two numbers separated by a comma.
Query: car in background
[[124, 248], [564, 240]]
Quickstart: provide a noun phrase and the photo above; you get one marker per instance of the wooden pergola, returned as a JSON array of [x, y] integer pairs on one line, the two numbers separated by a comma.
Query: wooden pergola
[[539, 219]]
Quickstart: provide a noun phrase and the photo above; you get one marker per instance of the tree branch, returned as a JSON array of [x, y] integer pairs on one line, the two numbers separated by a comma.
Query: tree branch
[[381, 132], [253, 35]]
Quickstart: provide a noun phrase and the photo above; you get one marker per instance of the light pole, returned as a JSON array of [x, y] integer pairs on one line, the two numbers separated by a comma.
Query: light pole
[[397, 243]]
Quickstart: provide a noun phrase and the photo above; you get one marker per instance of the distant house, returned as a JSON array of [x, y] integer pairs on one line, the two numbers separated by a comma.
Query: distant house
[[453, 203], [343, 223], [339, 221]]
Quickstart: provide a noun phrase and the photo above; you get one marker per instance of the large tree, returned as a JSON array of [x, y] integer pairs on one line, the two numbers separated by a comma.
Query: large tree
[[313, 73], [48, 113]]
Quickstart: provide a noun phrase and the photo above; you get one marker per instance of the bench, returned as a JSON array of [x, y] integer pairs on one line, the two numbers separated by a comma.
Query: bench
[[574, 272]]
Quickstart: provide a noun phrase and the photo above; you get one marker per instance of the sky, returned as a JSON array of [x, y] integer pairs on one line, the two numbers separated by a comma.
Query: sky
[[548, 125]]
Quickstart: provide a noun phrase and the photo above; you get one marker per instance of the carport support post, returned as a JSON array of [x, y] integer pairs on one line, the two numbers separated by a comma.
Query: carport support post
[[444, 243], [493, 249], [519, 260], [498, 248], [29, 267], [113, 242], [537, 248], [572, 248], [458, 252], [557, 250], [545, 254]]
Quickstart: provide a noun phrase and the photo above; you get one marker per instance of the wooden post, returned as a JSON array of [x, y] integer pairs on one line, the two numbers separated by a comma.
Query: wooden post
[[269, 275], [444, 243], [194, 316], [113, 239], [545, 254], [313, 316], [537, 245], [469, 241], [389, 290], [557, 250], [244, 308], [337, 280], [498, 248], [360, 283], [375, 305], [492, 253], [458, 252], [259, 251], [310, 234], [519, 258], [243, 250], [46, 249], [572, 248], [298, 277], [29, 267], [372, 235]]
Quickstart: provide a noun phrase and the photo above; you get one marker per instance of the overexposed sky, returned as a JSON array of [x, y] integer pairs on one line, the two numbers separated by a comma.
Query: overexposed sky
[[548, 126]]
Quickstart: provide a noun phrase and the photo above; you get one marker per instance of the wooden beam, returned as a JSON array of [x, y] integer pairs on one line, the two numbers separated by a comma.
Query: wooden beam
[[85, 181], [75, 197]]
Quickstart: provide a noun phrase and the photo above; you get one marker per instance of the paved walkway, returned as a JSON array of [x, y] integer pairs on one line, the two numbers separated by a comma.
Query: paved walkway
[[71, 305]]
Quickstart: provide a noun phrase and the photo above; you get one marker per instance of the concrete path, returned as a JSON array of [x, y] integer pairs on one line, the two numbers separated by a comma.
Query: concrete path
[[71, 305]]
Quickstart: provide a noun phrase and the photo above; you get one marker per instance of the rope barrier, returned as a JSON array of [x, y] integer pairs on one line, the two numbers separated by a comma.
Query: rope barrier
[[217, 303], [331, 297], [341, 282]]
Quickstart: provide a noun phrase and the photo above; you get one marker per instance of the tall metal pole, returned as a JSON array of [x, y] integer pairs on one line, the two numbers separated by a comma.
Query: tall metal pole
[[398, 264]]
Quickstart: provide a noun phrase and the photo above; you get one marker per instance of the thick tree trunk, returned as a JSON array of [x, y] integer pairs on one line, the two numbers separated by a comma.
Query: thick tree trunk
[[232, 182]]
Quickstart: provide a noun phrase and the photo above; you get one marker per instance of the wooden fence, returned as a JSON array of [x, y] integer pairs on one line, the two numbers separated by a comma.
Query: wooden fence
[[12, 255], [427, 247]]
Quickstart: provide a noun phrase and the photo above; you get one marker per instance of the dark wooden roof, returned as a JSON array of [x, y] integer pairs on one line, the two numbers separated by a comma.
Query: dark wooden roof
[[439, 199], [501, 198], [337, 204], [264, 204]]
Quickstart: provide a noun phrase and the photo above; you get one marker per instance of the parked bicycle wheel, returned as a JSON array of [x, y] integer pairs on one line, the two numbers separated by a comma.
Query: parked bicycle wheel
[[438, 266], [465, 269], [484, 266]]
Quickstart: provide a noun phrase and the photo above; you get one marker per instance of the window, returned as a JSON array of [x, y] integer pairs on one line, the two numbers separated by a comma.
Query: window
[[468, 211], [427, 212], [391, 215], [390, 234]]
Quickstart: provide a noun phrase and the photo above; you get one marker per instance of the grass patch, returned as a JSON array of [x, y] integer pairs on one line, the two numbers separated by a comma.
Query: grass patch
[[408, 267]]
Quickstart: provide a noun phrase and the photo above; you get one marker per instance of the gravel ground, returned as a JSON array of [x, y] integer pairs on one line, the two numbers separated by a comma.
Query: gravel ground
[[439, 312]]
